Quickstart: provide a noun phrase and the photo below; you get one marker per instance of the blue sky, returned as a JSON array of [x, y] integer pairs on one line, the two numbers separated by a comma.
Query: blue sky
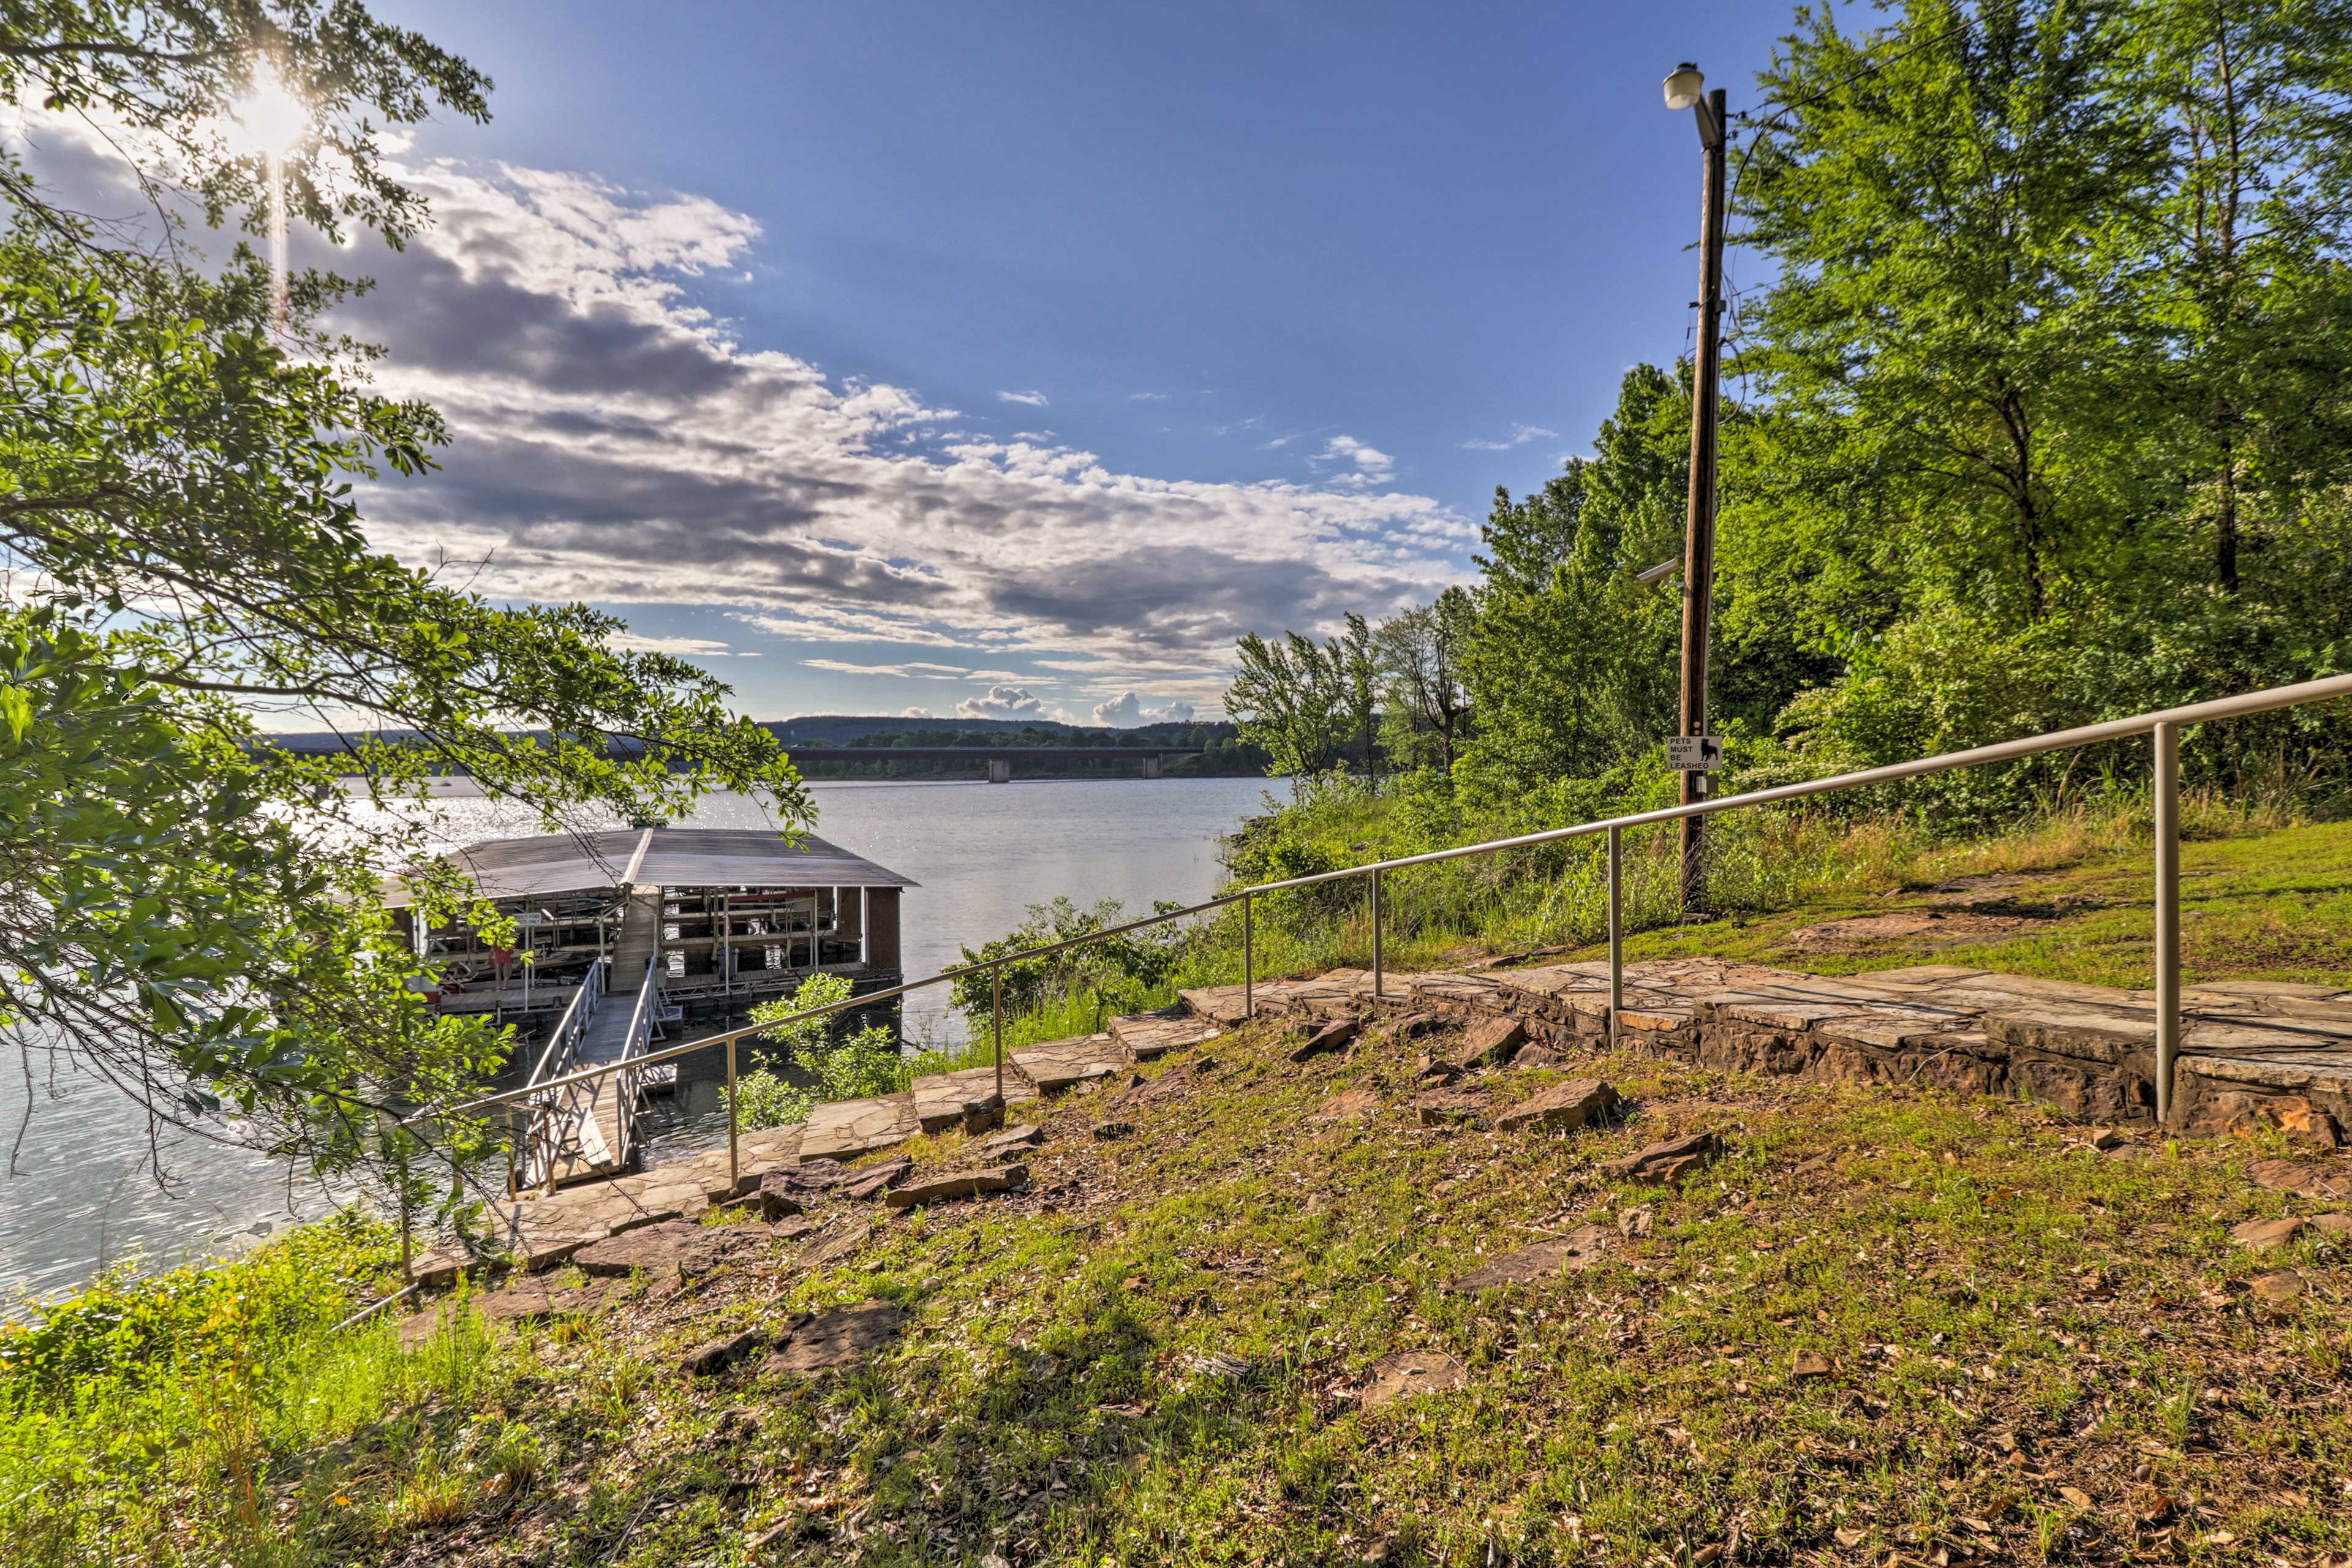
[[941, 357]]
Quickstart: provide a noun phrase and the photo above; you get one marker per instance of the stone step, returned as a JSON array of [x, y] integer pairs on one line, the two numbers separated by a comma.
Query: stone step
[[848, 1128], [1148, 1037], [1058, 1065]]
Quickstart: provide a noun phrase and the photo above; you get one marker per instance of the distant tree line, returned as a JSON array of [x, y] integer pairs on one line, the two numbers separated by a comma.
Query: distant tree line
[[2044, 417], [1222, 753]]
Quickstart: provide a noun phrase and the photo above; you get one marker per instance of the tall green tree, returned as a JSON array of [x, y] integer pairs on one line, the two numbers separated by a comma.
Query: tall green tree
[[185, 909], [2050, 420], [1570, 663], [1955, 207], [1425, 706], [1289, 698], [2253, 101]]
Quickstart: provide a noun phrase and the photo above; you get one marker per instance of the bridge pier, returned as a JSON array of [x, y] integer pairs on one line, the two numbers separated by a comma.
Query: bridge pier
[[1151, 767], [1000, 770]]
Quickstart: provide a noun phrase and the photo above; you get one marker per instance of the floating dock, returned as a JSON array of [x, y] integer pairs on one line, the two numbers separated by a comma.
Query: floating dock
[[623, 933]]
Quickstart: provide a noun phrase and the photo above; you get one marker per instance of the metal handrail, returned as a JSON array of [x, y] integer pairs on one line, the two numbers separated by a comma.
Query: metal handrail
[[2164, 726], [640, 1032], [577, 1014]]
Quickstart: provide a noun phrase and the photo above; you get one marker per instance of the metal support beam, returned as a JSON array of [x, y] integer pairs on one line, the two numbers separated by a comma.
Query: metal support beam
[[1249, 963], [1616, 930], [2168, 914], [1376, 936]]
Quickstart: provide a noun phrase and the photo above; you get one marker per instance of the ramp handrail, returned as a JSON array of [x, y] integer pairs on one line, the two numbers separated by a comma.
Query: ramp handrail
[[2164, 726]]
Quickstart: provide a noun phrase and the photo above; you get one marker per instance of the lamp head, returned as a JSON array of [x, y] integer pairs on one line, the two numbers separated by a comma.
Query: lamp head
[[1684, 86]]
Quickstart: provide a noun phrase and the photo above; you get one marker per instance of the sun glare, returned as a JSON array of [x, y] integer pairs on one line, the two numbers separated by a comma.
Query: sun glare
[[270, 118]]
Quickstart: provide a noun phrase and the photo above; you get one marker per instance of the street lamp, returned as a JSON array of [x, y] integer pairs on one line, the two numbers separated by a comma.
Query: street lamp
[[271, 120], [1685, 88]]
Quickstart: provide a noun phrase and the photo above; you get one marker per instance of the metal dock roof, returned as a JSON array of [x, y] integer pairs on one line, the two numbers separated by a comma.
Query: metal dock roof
[[552, 863]]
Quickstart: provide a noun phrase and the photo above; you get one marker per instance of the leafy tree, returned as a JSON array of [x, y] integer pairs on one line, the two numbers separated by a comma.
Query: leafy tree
[[1944, 207], [1359, 670], [1290, 699], [2253, 102], [185, 909], [2051, 375], [1570, 663], [1424, 704]]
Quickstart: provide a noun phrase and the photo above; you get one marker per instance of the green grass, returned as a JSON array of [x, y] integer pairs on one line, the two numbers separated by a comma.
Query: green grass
[[180, 1419], [1974, 1277], [1056, 1396], [2264, 895]]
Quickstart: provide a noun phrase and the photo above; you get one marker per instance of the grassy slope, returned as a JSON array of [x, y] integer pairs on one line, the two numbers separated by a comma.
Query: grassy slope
[[1048, 1400], [1972, 1278], [2273, 905]]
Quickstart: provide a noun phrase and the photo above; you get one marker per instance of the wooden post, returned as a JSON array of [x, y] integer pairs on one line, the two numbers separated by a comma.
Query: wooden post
[[1698, 544]]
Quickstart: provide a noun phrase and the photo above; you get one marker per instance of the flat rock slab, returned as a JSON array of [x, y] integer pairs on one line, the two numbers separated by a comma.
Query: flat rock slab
[[1011, 1143], [1562, 1108], [1400, 1375], [714, 1356], [1546, 1259], [1349, 1105], [833, 1249], [851, 1127], [1437, 1107], [2325, 1182], [837, 1339], [1457, 992], [521, 1298], [1335, 1036], [875, 1181], [1174, 1084], [1665, 1163], [1490, 1042], [2265, 1234], [966, 1099], [674, 1247], [1218, 1004], [1148, 1037], [950, 1186], [1059, 1065]]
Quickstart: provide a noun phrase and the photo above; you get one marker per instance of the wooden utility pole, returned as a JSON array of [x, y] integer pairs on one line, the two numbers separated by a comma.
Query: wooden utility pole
[[1699, 545]]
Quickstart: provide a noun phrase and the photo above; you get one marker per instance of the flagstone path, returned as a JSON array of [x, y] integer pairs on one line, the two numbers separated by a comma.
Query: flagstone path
[[2252, 1054]]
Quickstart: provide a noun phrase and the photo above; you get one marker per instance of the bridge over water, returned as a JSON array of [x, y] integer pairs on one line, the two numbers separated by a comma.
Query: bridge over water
[[999, 760]]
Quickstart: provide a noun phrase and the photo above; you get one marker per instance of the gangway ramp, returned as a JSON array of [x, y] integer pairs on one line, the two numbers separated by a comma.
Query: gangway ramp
[[583, 1130]]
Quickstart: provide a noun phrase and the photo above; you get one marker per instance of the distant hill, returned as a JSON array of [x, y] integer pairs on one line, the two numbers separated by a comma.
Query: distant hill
[[1224, 753]]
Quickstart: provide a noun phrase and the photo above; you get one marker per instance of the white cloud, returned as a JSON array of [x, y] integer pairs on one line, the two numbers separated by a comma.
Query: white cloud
[[682, 647], [917, 714], [1127, 710], [1034, 399], [614, 443], [1370, 464], [1520, 436], [1147, 397], [1001, 702], [912, 669]]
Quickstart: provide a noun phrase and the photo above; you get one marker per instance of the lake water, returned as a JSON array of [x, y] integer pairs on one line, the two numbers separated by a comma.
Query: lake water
[[81, 1191]]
